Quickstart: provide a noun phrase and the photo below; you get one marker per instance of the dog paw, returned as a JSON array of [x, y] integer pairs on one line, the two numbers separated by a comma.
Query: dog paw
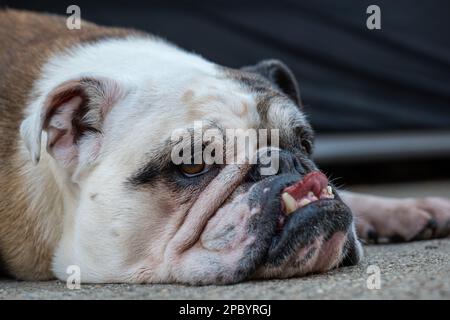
[[398, 220], [439, 211]]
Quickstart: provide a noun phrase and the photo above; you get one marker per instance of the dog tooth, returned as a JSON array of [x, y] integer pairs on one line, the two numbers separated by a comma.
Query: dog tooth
[[304, 202], [289, 202], [311, 196], [330, 190]]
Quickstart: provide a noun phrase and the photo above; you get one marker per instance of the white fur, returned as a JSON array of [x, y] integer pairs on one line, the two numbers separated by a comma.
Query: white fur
[[111, 59], [154, 75]]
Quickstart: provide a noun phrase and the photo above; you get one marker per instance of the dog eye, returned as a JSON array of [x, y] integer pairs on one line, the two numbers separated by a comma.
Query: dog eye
[[191, 170]]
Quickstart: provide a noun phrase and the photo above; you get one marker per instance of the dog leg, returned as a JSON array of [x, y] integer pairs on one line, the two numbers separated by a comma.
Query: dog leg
[[382, 218]]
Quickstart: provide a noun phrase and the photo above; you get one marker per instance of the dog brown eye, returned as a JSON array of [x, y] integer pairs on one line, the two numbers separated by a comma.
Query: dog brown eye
[[193, 169]]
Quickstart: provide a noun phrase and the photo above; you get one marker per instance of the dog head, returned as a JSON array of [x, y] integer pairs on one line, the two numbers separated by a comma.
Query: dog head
[[133, 214]]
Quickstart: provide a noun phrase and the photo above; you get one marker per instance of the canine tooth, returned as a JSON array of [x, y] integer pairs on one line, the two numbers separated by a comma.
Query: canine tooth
[[304, 202], [289, 202], [330, 190]]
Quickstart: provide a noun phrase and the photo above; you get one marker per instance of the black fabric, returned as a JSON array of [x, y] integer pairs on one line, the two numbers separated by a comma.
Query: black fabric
[[351, 78]]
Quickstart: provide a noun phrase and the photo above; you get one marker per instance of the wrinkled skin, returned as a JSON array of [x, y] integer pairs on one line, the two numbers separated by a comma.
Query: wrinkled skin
[[242, 240]]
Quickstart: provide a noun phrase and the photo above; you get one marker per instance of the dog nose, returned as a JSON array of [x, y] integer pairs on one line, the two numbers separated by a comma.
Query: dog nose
[[287, 163]]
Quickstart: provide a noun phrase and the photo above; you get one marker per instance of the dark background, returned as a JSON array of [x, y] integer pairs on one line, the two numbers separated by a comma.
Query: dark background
[[353, 80]]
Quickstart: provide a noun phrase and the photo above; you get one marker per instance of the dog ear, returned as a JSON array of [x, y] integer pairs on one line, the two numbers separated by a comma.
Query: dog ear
[[279, 75], [72, 115]]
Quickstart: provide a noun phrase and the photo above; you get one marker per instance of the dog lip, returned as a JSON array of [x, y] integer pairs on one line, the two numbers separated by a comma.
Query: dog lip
[[317, 203], [284, 217], [310, 188], [273, 246], [299, 223], [314, 181]]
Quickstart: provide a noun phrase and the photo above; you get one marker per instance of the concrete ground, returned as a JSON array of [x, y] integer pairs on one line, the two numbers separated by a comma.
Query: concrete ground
[[419, 270]]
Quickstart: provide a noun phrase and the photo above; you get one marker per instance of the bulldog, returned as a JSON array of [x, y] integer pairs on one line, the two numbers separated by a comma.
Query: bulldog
[[87, 177]]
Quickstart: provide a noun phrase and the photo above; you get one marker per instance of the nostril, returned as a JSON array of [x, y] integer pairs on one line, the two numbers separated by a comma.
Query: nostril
[[287, 163]]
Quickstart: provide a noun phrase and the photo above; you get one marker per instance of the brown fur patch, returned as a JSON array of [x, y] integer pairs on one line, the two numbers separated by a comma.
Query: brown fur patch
[[27, 40], [194, 104], [244, 110], [264, 90], [188, 96]]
